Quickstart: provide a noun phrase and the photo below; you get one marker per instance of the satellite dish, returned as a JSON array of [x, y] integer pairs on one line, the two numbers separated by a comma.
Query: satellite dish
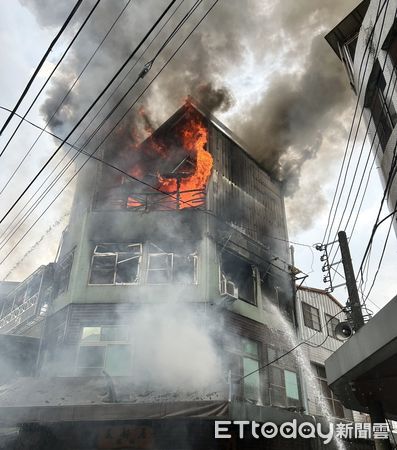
[[343, 330]]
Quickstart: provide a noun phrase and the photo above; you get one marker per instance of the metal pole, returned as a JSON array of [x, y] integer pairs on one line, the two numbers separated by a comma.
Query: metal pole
[[357, 314]]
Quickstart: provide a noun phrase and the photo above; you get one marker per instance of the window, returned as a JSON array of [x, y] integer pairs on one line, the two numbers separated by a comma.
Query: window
[[63, 273], [332, 323], [382, 111], [237, 272], [170, 267], [122, 264], [334, 404], [251, 364], [311, 316], [104, 348], [348, 52], [159, 268], [116, 264], [284, 389]]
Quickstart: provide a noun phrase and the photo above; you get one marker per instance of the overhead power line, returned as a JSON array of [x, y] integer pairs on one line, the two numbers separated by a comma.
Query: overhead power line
[[163, 14], [37, 70], [67, 93], [114, 127], [74, 144], [366, 54]]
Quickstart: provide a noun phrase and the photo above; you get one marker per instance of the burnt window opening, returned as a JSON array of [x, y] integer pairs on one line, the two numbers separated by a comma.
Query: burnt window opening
[[116, 264], [237, 278], [169, 170], [119, 264], [171, 267], [63, 270], [383, 114]]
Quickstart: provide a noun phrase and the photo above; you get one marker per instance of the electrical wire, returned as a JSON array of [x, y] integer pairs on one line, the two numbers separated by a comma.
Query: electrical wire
[[114, 127], [183, 20], [48, 51], [305, 341], [131, 56], [367, 54], [82, 133], [43, 87], [386, 106], [118, 169]]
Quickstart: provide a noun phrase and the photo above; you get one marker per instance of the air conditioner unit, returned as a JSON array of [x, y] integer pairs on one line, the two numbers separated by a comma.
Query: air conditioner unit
[[228, 288]]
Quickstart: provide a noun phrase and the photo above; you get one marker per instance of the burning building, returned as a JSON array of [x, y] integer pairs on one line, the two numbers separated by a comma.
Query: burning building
[[157, 306]]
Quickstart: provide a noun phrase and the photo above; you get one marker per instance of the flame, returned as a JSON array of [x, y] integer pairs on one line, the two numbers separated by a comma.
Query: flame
[[159, 153], [194, 137]]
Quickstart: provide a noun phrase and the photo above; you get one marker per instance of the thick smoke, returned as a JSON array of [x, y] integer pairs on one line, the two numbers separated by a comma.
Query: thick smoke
[[267, 68], [174, 347]]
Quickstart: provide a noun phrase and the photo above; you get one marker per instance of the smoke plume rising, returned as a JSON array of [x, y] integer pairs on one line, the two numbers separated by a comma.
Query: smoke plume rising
[[265, 70]]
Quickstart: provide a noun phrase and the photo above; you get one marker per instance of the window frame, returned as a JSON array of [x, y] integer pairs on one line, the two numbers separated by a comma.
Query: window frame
[[282, 367], [246, 355], [332, 400], [116, 254], [105, 344], [305, 321], [329, 321]]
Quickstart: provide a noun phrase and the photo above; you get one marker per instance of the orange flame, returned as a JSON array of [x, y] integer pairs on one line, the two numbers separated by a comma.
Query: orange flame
[[194, 137]]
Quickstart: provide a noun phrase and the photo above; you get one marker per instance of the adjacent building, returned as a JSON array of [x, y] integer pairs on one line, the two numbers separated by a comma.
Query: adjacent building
[[366, 42]]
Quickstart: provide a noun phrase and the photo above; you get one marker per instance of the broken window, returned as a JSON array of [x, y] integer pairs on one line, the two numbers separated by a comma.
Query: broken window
[[166, 267], [185, 269], [237, 277], [160, 268], [104, 348], [116, 264]]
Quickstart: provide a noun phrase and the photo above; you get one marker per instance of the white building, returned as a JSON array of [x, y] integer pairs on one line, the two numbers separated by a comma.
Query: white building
[[366, 42], [315, 312]]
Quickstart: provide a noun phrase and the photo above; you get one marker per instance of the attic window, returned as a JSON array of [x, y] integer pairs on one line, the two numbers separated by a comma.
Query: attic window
[[116, 264]]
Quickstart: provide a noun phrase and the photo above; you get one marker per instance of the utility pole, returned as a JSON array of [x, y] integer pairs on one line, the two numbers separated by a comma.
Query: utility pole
[[375, 408], [354, 299]]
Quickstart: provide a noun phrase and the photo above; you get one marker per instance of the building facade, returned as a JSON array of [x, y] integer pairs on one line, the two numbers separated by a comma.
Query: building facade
[[316, 309], [366, 42], [184, 227]]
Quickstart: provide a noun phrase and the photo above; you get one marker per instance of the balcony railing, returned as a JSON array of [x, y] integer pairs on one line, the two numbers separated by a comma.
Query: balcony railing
[[150, 201]]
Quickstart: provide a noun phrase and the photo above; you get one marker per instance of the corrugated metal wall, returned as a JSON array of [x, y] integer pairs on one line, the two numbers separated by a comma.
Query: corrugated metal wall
[[242, 192]]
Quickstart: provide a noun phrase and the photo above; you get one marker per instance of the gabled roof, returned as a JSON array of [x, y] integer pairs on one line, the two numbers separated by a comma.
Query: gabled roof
[[320, 291]]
